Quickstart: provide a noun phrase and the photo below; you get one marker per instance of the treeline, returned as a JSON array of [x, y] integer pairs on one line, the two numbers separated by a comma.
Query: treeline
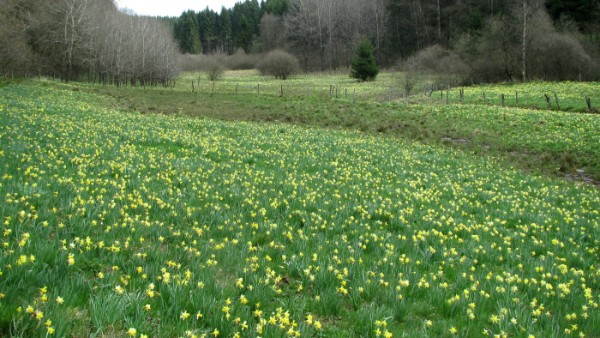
[[84, 40], [493, 40]]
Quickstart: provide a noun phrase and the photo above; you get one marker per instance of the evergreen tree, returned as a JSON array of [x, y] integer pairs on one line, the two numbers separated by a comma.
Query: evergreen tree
[[245, 34], [364, 66], [187, 33], [225, 34], [276, 7]]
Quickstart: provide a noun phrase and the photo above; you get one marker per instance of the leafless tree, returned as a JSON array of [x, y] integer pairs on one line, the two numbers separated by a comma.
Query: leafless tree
[[325, 32]]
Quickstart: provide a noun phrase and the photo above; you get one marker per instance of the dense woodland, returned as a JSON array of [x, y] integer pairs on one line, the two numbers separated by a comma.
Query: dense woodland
[[470, 40], [84, 40]]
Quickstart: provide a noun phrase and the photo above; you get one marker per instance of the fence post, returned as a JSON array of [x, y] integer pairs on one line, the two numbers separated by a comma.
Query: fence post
[[193, 87], [556, 99], [517, 97], [281, 90], [588, 102], [548, 101], [258, 89], [447, 96], [484, 99], [502, 97]]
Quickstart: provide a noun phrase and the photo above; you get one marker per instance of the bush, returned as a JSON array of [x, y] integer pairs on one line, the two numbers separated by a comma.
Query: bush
[[240, 60], [439, 64], [364, 66], [279, 64], [189, 62], [213, 67]]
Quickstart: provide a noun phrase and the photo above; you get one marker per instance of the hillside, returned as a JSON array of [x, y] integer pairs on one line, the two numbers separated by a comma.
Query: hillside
[[117, 223]]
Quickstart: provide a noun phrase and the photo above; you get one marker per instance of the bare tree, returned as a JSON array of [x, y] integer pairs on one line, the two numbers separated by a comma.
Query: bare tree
[[326, 31], [524, 40], [16, 58], [271, 33]]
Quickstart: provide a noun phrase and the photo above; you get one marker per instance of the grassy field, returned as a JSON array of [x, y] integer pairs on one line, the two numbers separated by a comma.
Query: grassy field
[[117, 224], [388, 87], [534, 95], [323, 85], [544, 142]]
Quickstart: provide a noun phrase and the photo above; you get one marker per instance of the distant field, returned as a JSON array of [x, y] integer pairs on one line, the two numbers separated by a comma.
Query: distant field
[[388, 87], [308, 85], [571, 96], [116, 223], [544, 142]]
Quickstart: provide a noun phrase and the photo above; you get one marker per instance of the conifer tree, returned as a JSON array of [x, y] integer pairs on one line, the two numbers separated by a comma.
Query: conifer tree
[[364, 66]]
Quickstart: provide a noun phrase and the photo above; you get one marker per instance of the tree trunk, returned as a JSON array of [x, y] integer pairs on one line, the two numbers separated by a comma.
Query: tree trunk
[[524, 46], [439, 21]]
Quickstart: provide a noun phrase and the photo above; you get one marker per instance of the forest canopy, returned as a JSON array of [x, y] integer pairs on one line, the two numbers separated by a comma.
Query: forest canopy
[[323, 34], [497, 40]]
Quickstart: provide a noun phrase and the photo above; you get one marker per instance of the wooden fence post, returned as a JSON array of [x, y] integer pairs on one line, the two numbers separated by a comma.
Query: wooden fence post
[[548, 101], [517, 97], [588, 102], [502, 98], [281, 90], [258, 89], [556, 99]]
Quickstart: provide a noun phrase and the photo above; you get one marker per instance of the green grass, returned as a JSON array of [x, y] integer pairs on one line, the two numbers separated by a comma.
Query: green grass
[[178, 226], [334, 84], [550, 143], [571, 95]]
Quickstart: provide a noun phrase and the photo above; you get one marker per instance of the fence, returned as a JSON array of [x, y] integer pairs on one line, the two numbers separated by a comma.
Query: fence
[[281, 90], [549, 101]]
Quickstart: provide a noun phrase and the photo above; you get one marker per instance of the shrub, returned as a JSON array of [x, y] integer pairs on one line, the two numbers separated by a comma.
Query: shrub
[[439, 64], [364, 66], [240, 60], [213, 67], [189, 62], [279, 64]]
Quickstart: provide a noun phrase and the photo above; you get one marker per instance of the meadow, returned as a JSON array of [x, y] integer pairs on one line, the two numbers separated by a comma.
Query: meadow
[[562, 96], [540, 141], [120, 223]]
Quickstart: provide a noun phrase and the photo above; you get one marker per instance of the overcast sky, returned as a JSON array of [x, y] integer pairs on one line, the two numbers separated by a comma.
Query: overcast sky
[[173, 7]]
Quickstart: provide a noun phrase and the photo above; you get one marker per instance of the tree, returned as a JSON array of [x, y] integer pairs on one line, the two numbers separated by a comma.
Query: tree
[[245, 34], [188, 34], [276, 7], [271, 34], [364, 66], [225, 36], [16, 58]]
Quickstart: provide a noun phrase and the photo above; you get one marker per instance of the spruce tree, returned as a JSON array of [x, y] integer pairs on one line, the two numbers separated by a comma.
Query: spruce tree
[[364, 66]]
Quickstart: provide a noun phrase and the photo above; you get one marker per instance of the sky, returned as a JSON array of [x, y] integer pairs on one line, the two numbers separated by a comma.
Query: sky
[[172, 7]]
